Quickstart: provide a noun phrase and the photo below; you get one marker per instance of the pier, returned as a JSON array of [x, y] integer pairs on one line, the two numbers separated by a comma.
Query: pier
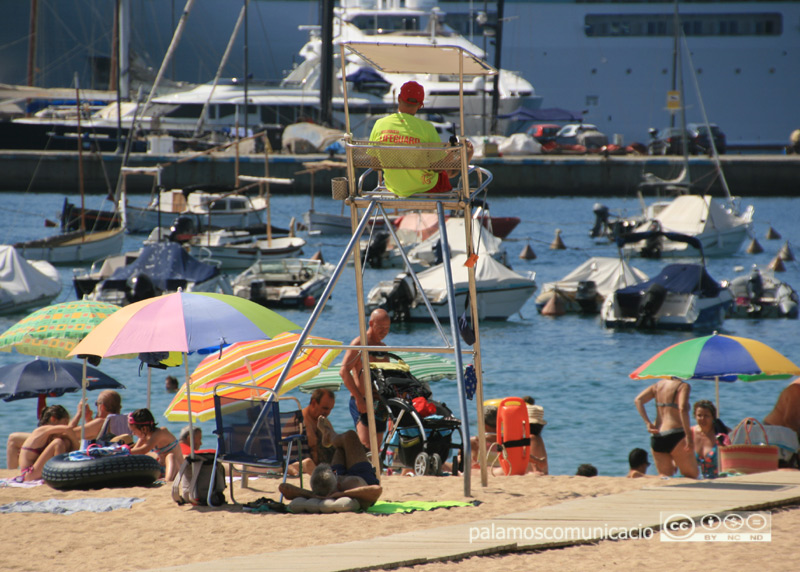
[[531, 175]]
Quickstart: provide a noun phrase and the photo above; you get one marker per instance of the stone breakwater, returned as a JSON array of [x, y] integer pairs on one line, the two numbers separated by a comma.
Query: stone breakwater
[[533, 175]]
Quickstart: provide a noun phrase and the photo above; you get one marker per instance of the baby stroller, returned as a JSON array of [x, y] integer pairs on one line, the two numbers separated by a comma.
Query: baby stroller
[[421, 431]]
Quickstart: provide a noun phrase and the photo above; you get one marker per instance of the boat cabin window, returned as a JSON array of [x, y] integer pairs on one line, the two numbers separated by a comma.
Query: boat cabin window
[[186, 111]]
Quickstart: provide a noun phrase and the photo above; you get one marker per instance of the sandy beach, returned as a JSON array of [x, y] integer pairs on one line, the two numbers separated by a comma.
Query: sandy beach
[[157, 532]]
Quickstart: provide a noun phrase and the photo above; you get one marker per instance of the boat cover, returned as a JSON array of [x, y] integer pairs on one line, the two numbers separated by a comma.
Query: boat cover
[[695, 215], [609, 275], [489, 275], [678, 278], [167, 261], [484, 242], [22, 281]]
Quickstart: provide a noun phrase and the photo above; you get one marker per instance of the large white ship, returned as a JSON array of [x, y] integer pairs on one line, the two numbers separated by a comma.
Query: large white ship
[[611, 59]]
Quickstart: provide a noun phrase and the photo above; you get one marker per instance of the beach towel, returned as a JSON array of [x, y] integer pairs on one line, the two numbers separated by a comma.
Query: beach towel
[[70, 506], [18, 482], [392, 507]]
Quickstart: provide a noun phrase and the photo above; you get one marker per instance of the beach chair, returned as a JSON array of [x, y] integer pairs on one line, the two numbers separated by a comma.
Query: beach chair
[[254, 434], [115, 424]]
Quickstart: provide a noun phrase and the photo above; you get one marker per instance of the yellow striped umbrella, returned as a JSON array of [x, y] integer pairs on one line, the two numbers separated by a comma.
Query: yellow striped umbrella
[[256, 364]]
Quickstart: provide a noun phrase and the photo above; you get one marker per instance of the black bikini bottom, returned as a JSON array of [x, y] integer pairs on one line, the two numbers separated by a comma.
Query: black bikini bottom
[[665, 441]]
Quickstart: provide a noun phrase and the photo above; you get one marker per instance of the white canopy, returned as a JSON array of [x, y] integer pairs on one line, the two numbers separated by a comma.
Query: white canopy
[[22, 282], [608, 274], [421, 59], [694, 215]]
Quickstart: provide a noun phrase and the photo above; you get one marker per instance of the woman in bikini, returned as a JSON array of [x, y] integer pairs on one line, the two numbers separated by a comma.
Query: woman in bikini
[[671, 436], [52, 437], [709, 433], [155, 441]]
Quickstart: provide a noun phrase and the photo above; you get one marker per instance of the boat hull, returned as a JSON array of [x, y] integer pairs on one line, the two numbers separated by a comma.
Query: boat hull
[[74, 247]]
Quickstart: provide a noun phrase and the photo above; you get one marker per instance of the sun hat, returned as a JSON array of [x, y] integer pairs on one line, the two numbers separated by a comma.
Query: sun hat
[[536, 415], [412, 92]]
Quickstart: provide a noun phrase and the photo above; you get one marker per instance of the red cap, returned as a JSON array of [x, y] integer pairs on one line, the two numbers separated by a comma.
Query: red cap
[[412, 92]]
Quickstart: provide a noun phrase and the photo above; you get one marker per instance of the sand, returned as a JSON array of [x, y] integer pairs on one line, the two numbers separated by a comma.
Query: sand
[[157, 532]]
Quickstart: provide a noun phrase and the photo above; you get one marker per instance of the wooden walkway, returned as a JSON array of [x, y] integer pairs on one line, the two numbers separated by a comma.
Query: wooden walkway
[[629, 510]]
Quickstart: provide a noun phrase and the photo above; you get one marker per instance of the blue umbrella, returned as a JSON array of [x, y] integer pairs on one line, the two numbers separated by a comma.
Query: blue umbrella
[[50, 377]]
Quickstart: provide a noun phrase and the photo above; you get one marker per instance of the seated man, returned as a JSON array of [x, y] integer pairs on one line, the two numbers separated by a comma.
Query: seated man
[[349, 475], [320, 405], [782, 425], [405, 128]]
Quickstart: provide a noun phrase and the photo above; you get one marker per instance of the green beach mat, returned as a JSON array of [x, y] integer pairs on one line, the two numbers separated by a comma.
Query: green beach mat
[[391, 507]]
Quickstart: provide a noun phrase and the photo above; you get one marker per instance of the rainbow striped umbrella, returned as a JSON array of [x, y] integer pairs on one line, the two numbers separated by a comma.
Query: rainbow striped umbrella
[[255, 364], [719, 358], [53, 331]]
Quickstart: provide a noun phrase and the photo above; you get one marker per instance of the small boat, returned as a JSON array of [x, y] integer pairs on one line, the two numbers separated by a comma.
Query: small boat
[[209, 209], [288, 282], [680, 297], [235, 250], [84, 282], [81, 247], [760, 294], [584, 289], [501, 291], [159, 269], [25, 284]]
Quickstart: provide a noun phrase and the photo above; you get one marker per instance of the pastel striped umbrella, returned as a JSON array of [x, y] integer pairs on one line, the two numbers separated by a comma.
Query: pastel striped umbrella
[[719, 358], [255, 365]]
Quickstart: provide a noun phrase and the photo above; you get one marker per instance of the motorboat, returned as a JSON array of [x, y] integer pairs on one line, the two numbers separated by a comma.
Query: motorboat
[[585, 288], [380, 252], [761, 294], [680, 297], [76, 247], [159, 269], [288, 282], [25, 284], [84, 281], [711, 220], [220, 210], [501, 291]]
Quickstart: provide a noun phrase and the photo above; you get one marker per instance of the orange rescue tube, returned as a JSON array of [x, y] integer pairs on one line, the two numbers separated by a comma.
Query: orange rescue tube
[[513, 435]]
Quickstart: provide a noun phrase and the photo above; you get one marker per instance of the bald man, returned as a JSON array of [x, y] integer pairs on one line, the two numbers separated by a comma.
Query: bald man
[[351, 373]]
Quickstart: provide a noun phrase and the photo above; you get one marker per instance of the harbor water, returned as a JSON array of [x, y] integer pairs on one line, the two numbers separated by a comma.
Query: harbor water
[[576, 369]]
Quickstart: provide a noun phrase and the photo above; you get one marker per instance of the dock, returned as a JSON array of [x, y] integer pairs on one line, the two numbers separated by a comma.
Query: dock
[[531, 175]]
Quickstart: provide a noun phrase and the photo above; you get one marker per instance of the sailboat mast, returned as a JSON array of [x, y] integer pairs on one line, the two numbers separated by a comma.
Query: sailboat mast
[[678, 69], [32, 42], [80, 154]]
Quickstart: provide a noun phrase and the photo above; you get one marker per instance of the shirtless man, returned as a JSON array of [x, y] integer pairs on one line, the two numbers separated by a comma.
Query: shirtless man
[[320, 405], [349, 476], [351, 374], [786, 412]]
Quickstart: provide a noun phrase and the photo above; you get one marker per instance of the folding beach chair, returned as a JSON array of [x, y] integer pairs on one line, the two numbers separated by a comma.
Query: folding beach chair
[[253, 432], [115, 424]]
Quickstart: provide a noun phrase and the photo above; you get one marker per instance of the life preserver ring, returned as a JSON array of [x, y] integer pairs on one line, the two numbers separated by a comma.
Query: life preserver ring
[[114, 471], [513, 435]]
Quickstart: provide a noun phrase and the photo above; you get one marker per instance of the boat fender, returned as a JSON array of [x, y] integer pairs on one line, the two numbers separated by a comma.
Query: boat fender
[[513, 435], [309, 301]]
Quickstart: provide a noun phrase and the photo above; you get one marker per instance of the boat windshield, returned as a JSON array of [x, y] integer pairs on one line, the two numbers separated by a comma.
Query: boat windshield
[[401, 24]]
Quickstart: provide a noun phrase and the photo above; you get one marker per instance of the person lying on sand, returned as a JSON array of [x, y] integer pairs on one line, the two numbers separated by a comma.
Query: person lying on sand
[[350, 475]]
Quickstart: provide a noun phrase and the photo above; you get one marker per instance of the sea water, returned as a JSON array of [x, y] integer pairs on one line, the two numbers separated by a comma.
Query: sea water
[[574, 367]]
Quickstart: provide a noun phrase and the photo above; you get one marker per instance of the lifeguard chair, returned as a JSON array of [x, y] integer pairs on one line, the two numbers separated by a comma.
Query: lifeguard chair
[[364, 160]]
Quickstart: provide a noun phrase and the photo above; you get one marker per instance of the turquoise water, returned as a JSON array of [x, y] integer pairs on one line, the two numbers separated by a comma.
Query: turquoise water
[[576, 369]]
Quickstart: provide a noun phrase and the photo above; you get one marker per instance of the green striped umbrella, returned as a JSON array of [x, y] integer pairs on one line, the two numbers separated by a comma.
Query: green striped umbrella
[[54, 330]]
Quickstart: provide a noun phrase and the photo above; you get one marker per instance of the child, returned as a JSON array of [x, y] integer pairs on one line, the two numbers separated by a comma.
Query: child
[[52, 437], [157, 442]]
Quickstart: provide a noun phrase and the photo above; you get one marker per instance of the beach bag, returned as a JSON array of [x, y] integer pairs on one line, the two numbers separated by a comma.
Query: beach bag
[[748, 458], [194, 478]]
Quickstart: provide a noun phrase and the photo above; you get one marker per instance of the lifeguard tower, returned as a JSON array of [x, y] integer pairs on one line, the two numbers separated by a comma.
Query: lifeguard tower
[[364, 159]]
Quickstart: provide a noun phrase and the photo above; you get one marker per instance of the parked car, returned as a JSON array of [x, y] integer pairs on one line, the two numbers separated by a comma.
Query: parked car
[[580, 137], [543, 132], [703, 142], [668, 141]]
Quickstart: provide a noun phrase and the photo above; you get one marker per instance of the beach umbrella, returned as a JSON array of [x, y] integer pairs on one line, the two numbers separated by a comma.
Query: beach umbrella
[[719, 358], [182, 322], [42, 378], [255, 364], [54, 330]]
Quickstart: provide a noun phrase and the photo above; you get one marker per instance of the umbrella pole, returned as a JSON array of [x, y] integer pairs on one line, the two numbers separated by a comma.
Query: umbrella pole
[[189, 404], [83, 403], [149, 377], [716, 383]]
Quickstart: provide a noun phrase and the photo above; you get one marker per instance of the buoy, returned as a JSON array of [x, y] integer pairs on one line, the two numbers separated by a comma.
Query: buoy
[[773, 234], [557, 243], [754, 247], [785, 253], [554, 306], [527, 253], [318, 256], [309, 301], [777, 265]]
